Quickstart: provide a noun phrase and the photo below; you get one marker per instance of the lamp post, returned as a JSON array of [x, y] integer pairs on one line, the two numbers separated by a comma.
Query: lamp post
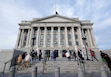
[[84, 41]]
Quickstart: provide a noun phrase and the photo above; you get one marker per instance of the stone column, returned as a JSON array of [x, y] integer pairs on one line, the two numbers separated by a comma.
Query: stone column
[[52, 29], [66, 37], [59, 38], [45, 32], [80, 37], [30, 39], [18, 39], [90, 40], [73, 36], [21, 39], [93, 38], [37, 37], [28, 35]]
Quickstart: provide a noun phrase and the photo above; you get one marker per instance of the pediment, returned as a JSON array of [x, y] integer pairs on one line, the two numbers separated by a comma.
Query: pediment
[[56, 18]]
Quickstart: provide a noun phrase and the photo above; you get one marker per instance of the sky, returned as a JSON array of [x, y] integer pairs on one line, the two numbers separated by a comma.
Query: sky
[[13, 12]]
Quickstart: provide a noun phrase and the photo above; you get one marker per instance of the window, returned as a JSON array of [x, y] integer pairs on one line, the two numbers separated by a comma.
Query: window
[[48, 31], [48, 36], [69, 36], [75, 29], [77, 43], [76, 37], [42, 36], [62, 42], [55, 43], [62, 36], [55, 36], [41, 43], [48, 43], [70, 43]]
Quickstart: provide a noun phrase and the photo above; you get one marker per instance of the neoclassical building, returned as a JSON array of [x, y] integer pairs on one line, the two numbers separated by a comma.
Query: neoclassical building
[[55, 32]]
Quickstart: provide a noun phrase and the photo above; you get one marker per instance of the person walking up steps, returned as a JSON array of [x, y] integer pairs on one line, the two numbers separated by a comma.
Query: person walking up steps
[[92, 54], [28, 58], [40, 55], [68, 55], [19, 61]]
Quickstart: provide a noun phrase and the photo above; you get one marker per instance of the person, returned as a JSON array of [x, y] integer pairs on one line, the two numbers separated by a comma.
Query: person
[[108, 61], [52, 55], [92, 54], [24, 55], [80, 55], [55, 55], [40, 55], [74, 54], [48, 54], [28, 58], [68, 55], [32, 54], [102, 55], [19, 61], [45, 57], [105, 57]]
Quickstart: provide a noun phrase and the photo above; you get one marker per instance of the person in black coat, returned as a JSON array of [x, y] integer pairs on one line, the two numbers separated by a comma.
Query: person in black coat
[[108, 61], [106, 58]]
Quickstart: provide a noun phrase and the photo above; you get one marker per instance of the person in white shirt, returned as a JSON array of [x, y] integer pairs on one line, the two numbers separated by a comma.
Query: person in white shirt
[[28, 58], [68, 55]]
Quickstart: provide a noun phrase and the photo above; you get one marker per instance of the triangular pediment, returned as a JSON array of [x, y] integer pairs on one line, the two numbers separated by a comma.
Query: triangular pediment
[[56, 18]]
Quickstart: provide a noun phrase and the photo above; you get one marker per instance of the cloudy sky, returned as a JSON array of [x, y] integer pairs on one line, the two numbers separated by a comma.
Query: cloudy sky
[[13, 11]]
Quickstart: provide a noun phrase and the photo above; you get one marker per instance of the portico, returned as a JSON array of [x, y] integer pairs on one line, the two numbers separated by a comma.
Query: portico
[[55, 33]]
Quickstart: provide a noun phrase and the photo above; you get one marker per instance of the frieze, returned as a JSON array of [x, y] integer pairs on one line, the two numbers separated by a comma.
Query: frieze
[[54, 24]]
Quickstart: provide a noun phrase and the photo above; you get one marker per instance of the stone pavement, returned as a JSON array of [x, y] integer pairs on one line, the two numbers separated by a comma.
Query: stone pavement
[[67, 68]]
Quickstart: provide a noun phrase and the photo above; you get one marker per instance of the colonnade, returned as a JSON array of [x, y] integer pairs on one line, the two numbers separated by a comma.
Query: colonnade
[[64, 36]]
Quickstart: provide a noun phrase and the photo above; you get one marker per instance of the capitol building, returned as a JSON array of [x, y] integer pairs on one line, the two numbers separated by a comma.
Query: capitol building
[[57, 33]]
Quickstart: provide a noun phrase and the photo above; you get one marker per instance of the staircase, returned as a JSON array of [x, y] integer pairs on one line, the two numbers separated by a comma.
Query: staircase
[[67, 68]]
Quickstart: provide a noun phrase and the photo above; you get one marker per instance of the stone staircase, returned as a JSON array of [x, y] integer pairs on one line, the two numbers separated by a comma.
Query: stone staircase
[[67, 68]]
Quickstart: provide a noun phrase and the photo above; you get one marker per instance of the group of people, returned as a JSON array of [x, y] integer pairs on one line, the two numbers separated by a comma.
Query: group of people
[[79, 54], [26, 58]]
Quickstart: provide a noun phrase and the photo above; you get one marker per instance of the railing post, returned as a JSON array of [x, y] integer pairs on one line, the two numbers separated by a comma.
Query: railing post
[[103, 72], [43, 69], [12, 72], [34, 72], [80, 72], [57, 72]]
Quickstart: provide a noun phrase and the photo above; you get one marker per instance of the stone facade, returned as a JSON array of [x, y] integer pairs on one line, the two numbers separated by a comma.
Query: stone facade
[[55, 32]]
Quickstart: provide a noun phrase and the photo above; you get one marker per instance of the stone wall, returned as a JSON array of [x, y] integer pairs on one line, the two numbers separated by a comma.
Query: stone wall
[[108, 52], [9, 57]]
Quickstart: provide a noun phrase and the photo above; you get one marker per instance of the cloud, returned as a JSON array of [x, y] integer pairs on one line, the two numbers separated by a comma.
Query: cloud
[[11, 14], [63, 9], [13, 11]]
